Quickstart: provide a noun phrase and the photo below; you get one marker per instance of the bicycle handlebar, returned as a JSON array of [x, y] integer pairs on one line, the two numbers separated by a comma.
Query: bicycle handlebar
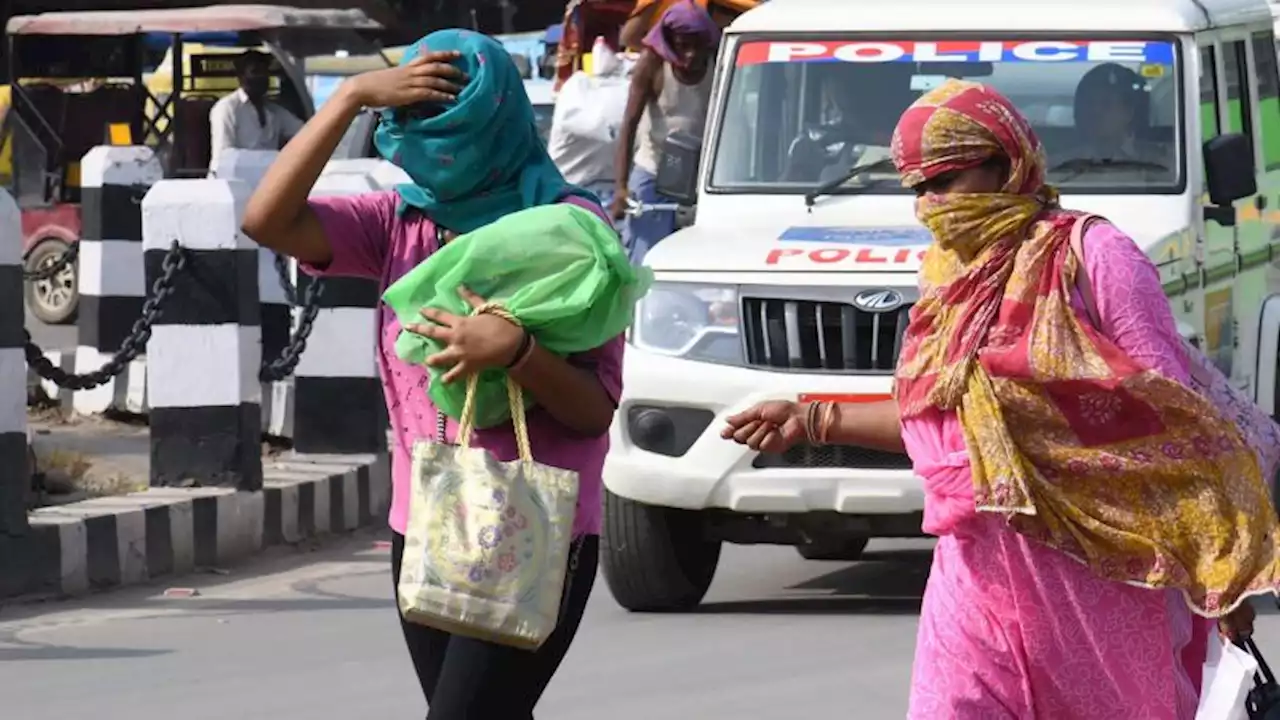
[[635, 208]]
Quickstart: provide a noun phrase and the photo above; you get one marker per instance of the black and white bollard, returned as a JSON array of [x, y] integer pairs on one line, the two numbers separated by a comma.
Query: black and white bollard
[[15, 474], [206, 345], [338, 406], [112, 290], [248, 166]]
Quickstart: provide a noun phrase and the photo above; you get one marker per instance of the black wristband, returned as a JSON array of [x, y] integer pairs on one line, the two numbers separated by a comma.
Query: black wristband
[[521, 351]]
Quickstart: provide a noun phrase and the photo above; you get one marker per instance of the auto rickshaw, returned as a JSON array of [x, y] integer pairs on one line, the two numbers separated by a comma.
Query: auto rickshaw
[[78, 81], [208, 71]]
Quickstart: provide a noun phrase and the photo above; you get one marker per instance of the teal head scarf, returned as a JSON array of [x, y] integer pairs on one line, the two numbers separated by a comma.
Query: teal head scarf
[[480, 157]]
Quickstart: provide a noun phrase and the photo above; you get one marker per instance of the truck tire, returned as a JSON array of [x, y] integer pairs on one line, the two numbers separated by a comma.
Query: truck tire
[[655, 559], [843, 549]]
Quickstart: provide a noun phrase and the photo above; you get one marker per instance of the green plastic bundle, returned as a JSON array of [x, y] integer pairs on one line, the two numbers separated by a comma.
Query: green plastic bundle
[[558, 268]]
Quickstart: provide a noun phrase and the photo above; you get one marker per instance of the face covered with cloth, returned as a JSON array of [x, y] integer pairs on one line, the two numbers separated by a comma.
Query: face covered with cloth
[[685, 37], [479, 158], [1080, 447]]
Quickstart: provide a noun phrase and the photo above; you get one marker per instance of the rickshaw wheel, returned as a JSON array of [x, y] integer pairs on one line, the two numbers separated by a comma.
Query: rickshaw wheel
[[53, 300]]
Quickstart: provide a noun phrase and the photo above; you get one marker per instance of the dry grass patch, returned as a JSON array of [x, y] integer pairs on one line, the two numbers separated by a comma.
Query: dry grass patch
[[66, 472]]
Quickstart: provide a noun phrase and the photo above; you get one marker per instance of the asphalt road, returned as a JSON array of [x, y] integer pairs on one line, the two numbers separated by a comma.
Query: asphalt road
[[312, 635], [51, 337]]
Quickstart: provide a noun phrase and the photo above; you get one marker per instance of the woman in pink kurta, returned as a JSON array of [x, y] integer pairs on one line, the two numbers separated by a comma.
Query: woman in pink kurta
[[1075, 497]]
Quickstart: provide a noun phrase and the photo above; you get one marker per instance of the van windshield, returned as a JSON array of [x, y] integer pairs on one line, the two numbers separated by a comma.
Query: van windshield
[[800, 114]]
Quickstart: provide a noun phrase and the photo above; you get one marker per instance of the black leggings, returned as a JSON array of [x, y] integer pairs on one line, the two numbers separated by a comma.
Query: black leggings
[[467, 679]]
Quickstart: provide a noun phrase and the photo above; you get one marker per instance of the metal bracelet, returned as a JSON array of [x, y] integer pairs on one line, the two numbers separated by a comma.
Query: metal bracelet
[[829, 410], [811, 423], [523, 351]]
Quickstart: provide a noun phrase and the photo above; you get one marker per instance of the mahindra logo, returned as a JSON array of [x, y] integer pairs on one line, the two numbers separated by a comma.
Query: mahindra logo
[[878, 301]]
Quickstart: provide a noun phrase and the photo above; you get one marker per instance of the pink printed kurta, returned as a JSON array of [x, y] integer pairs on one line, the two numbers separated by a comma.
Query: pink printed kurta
[[1013, 630]]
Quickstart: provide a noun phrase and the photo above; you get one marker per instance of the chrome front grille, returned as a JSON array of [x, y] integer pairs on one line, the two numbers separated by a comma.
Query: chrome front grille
[[821, 335]]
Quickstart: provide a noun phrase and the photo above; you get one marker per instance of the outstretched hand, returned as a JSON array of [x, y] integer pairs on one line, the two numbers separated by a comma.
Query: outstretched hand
[[772, 427], [472, 342]]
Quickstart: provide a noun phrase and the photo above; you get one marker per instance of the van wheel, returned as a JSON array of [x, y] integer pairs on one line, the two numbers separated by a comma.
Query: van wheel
[[656, 559], [843, 549], [53, 300]]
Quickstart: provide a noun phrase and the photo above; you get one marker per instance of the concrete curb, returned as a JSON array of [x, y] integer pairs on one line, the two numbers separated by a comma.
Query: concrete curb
[[129, 539]]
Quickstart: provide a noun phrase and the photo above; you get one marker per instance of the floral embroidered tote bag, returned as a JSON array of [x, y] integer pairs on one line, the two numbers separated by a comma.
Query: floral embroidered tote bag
[[488, 542], [1258, 429]]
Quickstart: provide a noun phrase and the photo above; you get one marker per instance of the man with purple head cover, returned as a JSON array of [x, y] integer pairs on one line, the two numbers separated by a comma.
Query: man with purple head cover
[[670, 92]]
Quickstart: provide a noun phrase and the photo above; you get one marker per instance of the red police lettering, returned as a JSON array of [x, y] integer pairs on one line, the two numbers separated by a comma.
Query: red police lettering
[[778, 254], [862, 256], [829, 255]]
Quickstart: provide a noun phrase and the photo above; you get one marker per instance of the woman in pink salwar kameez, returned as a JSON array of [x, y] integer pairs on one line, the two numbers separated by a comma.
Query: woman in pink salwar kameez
[[1012, 629], [1091, 510]]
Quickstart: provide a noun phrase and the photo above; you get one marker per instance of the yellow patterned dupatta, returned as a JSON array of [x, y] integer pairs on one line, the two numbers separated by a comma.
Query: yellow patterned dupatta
[[1084, 450]]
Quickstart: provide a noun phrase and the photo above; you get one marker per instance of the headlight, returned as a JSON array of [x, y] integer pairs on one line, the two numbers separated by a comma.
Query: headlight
[[699, 322]]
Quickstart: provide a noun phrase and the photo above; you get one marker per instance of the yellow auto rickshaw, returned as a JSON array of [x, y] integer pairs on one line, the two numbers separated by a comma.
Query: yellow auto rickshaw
[[77, 81]]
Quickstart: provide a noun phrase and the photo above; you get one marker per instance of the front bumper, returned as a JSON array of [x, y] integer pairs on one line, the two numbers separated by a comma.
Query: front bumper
[[667, 451]]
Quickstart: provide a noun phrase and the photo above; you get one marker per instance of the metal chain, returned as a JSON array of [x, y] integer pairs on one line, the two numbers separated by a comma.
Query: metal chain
[[45, 273], [283, 366], [286, 283], [175, 260]]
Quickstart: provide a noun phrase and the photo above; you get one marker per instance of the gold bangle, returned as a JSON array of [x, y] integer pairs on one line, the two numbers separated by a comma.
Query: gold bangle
[[810, 422], [825, 422]]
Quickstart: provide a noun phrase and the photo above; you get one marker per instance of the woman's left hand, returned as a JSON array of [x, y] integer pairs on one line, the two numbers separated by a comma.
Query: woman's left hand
[[473, 343]]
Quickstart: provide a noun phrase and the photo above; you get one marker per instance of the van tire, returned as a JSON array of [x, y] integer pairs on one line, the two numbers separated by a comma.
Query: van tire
[[656, 559]]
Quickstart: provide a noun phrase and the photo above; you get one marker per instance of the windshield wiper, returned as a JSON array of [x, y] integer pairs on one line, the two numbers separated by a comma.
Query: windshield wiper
[[1083, 165], [853, 172]]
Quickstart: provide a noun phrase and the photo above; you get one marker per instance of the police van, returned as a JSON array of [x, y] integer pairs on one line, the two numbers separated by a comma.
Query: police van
[[795, 280]]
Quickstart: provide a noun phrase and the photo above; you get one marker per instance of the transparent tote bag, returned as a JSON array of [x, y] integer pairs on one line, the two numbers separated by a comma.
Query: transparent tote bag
[[488, 542]]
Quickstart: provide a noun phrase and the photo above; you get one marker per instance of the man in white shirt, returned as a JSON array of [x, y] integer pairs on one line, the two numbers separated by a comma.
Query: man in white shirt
[[246, 119], [585, 123]]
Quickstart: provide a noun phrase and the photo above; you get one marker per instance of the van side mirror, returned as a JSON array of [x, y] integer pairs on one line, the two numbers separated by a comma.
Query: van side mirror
[[678, 168], [1229, 175]]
